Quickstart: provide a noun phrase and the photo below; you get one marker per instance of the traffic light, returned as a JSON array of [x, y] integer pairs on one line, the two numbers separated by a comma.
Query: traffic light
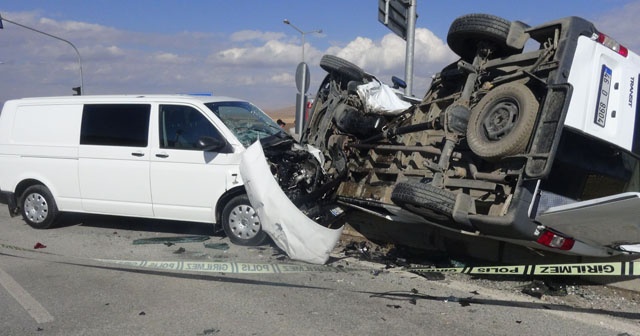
[[77, 91]]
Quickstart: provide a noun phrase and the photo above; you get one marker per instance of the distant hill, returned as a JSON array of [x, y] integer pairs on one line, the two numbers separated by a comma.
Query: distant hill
[[287, 114]]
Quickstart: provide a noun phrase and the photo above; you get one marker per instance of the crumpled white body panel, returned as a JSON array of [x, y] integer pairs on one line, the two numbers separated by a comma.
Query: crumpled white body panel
[[300, 237], [380, 99]]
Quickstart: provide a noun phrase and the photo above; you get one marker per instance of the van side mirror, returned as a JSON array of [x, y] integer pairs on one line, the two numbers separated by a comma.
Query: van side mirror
[[398, 83], [211, 144]]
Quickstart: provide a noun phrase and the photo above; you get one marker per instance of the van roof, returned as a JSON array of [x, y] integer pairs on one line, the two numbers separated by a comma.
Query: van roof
[[138, 97]]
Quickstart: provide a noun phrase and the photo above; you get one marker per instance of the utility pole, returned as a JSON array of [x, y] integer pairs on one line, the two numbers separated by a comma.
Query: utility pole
[[80, 90]]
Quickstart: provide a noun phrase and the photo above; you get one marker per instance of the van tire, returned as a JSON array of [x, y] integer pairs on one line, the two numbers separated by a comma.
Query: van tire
[[336, 65], [38, 207], [502, 122], [467, 31], [241, 222], [424, 199]]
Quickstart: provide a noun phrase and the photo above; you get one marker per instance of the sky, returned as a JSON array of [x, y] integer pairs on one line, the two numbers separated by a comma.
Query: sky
[[242, 48]]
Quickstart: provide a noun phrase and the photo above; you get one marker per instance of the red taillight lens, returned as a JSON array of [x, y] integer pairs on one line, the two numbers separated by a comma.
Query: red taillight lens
[[612, 44], [554, 240]]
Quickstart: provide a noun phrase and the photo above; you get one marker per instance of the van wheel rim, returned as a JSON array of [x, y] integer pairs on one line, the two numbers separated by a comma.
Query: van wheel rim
[[36, 208], [244, 222]]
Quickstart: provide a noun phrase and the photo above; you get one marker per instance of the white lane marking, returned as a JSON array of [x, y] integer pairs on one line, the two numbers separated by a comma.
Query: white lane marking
[[33, 307]]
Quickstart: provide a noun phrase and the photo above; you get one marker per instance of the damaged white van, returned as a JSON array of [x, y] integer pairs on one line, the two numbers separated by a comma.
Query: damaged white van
[[169, 157], [532, 137]]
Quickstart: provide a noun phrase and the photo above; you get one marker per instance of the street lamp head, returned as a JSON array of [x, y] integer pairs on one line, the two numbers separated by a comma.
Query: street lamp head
[[286, 21]]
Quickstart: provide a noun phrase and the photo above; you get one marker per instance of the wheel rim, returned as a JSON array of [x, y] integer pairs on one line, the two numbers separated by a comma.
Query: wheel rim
[[36, 207], [244, 222], [500, 119]]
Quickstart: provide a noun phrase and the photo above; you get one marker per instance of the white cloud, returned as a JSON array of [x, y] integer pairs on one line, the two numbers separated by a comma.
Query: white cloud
[[386, 58], [258, 66], [389, 53], [272, 52], [165, 57], [283, 78]]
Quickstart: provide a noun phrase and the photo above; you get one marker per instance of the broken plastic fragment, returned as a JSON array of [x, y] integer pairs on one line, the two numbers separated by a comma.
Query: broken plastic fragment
[[217, 246], [39, 246], [163, 240], [538, 288], [297, 235]]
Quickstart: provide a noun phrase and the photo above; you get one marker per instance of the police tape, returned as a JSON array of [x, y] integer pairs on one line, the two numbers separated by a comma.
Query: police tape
[[226, 267], [208, 266], [622, 268]]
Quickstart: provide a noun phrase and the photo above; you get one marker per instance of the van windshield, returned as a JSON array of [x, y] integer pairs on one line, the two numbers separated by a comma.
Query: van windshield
[[247, 122]]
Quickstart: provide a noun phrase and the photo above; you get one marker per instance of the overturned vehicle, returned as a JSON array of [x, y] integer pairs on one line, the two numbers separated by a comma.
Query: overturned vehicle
[[532, 137]]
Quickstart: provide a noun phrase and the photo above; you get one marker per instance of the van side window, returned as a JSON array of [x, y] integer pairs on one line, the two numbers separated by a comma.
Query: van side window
[[182, 126], [115, 125]]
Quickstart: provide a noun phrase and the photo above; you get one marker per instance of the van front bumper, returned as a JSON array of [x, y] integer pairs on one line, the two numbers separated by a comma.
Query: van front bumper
[[9, 198]]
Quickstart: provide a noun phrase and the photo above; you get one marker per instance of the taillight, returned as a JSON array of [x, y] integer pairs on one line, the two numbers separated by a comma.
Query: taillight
[[611, 44], [555, 240]]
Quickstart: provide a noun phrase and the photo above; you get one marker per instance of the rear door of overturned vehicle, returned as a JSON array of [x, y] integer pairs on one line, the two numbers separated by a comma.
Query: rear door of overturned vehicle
[[596, 167]]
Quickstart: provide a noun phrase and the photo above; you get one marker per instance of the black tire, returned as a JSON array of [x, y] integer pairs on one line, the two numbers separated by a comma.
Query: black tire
[[467, 31], [38, 207], [338, 66], [241, 222], [424, 199], [501, 123]]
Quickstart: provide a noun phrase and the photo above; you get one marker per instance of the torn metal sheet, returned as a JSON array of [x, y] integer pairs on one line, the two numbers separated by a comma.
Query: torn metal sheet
[[300, 237], [162, 240], [608, 221]]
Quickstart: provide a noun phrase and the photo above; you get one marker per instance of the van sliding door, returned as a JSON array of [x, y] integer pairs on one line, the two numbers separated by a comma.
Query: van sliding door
[[114, 159]]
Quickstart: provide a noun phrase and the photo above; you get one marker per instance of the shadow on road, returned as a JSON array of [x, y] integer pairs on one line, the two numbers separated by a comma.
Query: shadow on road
[[137, 224]]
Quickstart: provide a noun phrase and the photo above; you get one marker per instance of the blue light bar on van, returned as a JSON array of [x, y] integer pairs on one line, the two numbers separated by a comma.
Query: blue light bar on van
[[206, 94]]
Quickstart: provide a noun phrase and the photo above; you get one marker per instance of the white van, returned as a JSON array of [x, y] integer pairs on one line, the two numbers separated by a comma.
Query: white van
[[168, 157]]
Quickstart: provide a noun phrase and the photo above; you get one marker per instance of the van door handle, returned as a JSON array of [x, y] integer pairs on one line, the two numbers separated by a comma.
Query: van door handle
[[138, 154], [163, 155]]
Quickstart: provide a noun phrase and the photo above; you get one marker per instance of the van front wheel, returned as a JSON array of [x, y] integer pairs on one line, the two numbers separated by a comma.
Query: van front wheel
[[38, 207], [241, 222]]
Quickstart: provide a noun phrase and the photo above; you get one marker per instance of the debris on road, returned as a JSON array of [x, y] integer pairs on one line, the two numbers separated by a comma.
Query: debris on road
[[39, 246], [538, 288], [170, 240], [217, 246]]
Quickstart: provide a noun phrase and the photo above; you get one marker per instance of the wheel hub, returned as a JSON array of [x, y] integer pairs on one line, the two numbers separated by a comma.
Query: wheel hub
[[500, 120], [36, 207], [244, 222]]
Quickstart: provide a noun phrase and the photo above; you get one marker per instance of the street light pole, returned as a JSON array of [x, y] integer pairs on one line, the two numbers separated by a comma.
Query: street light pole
[[303, 33], [302, 77], [57, 38]]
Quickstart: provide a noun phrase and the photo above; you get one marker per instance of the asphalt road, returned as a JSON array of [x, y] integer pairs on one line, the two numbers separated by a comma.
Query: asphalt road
[[63, 290]]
